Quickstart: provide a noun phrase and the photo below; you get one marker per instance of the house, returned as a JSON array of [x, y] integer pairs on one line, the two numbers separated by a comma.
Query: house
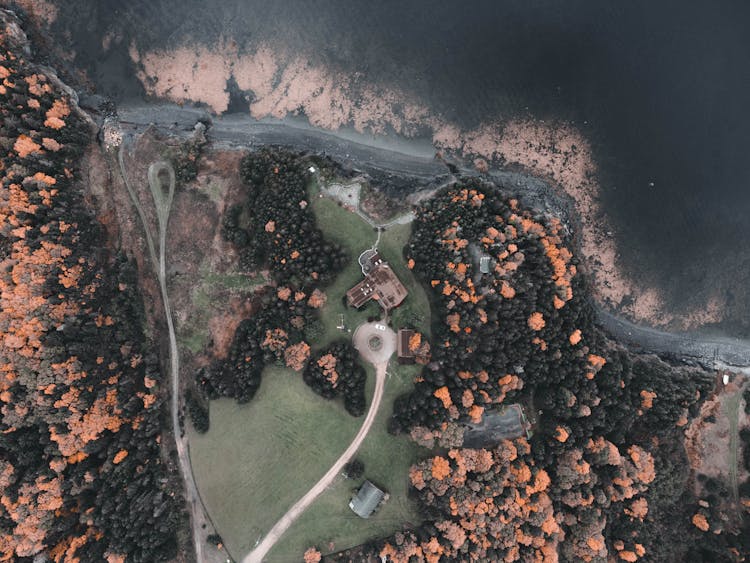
[[367, 500], [405, 355], [381, 284]]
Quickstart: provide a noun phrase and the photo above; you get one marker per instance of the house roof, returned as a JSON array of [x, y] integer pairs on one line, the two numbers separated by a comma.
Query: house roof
[[366, 500], [360, 293], [382, 284]]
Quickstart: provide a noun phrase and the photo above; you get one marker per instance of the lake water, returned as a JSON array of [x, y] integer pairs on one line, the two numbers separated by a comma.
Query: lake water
[[659, 87]]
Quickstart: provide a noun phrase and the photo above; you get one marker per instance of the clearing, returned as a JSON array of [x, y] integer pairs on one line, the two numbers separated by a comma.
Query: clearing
[[258, 459]]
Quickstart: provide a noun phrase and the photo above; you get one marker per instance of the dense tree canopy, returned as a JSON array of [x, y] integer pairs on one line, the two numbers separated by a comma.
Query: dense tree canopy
[[581, 489], [274, 228], [334, 371], [82, 478]]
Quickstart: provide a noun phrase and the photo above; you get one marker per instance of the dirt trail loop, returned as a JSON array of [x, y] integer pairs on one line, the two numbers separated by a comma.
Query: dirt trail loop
[[163, 202], [365, 332]]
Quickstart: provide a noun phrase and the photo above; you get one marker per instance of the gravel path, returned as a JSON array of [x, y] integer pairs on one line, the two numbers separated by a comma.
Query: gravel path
[[709, 351]]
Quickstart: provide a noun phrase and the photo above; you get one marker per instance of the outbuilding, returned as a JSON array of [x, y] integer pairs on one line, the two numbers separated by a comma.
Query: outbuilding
[[367, 500], [405, 354], [484, 264]]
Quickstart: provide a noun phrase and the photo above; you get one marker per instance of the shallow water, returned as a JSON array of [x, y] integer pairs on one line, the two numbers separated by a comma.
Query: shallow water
[[659, 88]]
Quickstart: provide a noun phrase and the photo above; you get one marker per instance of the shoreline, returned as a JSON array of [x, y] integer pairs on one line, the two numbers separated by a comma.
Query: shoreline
[[415, 158], [409, 162]]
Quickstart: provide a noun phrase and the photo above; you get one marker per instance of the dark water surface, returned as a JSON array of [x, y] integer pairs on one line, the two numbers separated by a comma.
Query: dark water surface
[[661, 88]]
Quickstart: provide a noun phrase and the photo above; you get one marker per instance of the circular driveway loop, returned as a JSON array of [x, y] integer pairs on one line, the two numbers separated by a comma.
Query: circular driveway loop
[[361, 340]]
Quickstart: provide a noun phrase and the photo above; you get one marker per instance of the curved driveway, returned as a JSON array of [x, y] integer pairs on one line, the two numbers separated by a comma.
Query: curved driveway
[[361, 337]]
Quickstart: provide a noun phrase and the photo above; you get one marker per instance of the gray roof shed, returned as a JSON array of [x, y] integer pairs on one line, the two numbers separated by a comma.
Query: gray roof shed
[[484, 264], [366, 500]]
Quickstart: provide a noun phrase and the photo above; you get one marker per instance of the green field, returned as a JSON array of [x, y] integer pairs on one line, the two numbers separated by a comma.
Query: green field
[[258, 459], [387, 460]]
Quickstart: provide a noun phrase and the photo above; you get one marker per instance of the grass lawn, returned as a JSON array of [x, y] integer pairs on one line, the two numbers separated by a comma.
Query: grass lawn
[[354, 235], [258, 459], [387, 459]]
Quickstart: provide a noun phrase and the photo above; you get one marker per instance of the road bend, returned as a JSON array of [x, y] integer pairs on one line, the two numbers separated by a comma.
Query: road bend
[[262, 549]]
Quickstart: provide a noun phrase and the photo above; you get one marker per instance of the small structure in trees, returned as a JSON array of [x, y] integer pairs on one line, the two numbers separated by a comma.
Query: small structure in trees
[[405, 354], [381, 284], [367, 500], [484, 264], [496, 425]]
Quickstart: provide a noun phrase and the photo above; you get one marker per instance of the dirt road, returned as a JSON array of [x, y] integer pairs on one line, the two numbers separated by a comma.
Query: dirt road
[[262, 549], [163, 202]]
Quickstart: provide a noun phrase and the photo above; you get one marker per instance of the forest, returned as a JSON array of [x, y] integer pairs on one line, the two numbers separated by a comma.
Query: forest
[[274, 229], [83, 476], [604, 476]]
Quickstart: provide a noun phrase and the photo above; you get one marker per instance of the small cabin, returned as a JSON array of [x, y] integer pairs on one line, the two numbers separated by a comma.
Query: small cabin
[[367, 500], [405, 354], [484, 264]]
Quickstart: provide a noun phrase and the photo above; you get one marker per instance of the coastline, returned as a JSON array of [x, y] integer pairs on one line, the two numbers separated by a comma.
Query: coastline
[[407, 162], [415, 158], [259, 75]]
